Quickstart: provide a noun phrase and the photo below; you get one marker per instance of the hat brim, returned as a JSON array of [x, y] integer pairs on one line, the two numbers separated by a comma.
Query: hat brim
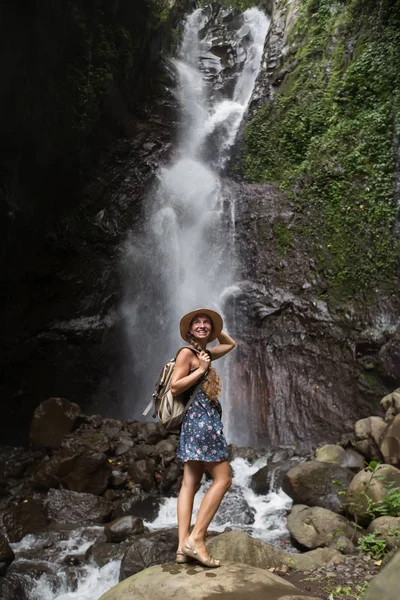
[[214, 316]]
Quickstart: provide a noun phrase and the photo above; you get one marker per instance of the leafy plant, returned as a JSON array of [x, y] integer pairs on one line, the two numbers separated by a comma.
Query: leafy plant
[[370, 544], [348, 592]]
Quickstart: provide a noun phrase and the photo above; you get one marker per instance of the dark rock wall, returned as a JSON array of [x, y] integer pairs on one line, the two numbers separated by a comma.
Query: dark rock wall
[[86, 117]]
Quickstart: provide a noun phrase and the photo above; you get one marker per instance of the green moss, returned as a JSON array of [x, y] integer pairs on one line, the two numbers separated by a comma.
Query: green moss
[[327, 140], [283, 237]]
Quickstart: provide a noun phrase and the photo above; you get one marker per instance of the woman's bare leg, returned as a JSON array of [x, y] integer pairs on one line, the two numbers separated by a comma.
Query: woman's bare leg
[[222, 480], [192, 473]]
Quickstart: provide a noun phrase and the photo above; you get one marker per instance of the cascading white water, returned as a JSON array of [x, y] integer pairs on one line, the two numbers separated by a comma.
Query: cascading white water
[[186, 259]]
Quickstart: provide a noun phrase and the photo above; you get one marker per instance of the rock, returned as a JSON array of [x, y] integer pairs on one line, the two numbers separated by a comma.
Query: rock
[[390, 443], [234, 509], [317, 484], [147, 550], [104, 552], [385, 586], [353, 460], [87, 472], [369, 484], [391, 404], [330, 453], [150, 433], [137, 503], [369, 432], [26, 517], [237, 545], [259, 482], [64, 506], [142, 472], [246, 452], [6, 555], [388, 529], [177, 581], [170, 479], [167, 446], [320, 557], [52, 421], [343, 544], [120, 529], [316, 527]]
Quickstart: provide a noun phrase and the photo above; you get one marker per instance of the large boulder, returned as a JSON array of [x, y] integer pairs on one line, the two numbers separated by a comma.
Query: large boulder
[[52, 421], [369, 486], [231, 580], [26, 517], [385, 586], [238, 546], [390, 443], [86, 471], [147, 550], [316, 483], [64, 506], [391, 404], [137, 503], [316, 527], [103, 553], [248, 454]]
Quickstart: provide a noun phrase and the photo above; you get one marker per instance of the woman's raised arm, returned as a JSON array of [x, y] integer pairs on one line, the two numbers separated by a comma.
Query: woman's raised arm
[[226, 344]]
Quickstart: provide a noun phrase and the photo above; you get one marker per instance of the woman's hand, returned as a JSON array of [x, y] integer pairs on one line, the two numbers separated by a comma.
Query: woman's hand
[[204, 361]]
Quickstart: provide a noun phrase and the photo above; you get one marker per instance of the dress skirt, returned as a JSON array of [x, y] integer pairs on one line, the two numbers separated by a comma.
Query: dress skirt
[[201, 436]]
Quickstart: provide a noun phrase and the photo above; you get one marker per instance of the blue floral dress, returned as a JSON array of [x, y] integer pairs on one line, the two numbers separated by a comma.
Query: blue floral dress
[[201, 436]]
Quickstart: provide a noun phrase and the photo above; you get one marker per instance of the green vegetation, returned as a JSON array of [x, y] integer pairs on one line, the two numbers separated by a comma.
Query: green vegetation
[[370, 544], [348, 592], [283, 237], [329, 140]]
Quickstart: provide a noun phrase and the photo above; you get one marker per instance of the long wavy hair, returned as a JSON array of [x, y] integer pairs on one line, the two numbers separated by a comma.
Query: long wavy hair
[[211, 382]]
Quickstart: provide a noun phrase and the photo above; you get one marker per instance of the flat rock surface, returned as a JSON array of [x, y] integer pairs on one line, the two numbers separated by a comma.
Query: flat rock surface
[[232, 580]]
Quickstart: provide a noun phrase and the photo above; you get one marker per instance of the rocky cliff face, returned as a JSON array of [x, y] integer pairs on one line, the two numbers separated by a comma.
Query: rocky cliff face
[[319, 332]]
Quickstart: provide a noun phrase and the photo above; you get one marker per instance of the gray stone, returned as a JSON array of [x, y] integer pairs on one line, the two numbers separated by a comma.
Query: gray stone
[[385, 586], [64, 506], [316, 527], [120, 529]]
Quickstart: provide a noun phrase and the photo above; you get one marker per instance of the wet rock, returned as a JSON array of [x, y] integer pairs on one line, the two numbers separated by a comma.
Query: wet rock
[[167, 446], [234, 509], [13, 587], [141, 472], [316, 527], [65, 506], [390, 443], [6, 555], [150, 433], [371, 485], [169, 478], [122, 447], [246, 452], [120, 529], [389, 358], [118, 479], [104, 552], [270, 477], [317, 484], [26, 517], [52, 421], [87, 472], [230, 581], [137, 503], [148, 550]]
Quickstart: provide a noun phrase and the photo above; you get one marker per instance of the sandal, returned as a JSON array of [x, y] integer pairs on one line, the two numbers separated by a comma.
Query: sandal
[[181, 558], [191, 552]]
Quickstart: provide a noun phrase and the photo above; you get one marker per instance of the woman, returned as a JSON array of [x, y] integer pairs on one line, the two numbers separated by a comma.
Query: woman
[[202, 445]]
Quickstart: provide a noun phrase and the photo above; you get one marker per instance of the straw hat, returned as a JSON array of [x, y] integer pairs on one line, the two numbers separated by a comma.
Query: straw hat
[[216, 320]]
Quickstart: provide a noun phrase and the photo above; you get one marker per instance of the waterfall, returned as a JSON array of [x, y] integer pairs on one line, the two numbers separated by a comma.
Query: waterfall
[[184, 257]]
